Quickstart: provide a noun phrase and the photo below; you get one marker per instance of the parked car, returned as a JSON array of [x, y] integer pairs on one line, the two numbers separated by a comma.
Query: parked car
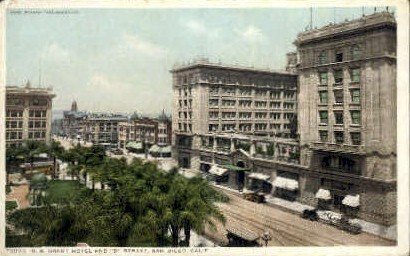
[[346, 225], [310, 215]]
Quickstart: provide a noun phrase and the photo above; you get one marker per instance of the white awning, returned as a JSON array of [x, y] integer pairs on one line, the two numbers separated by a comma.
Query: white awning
[[286, 183], [218, 170], [154, 149], [43, 155], [259, 176], [352, 201], [323, 194]]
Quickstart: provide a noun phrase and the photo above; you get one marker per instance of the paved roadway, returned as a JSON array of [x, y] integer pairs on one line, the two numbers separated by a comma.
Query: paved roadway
[[286, 229]]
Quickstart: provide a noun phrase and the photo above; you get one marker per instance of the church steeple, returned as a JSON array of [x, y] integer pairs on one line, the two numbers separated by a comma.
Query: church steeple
[[74, 107]]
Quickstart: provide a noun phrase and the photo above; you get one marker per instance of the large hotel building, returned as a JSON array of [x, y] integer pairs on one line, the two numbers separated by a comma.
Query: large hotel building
[[28, 114], [341, 85]]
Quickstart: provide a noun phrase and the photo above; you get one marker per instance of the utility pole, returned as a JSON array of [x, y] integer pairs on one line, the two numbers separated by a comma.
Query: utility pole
[[311, 17]]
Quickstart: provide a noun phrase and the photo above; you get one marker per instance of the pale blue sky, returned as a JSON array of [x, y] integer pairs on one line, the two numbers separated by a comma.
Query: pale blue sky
[[119, 60]]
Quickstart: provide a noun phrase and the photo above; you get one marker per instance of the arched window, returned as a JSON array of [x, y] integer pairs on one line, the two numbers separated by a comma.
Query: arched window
[[356, 52], [322, 57]]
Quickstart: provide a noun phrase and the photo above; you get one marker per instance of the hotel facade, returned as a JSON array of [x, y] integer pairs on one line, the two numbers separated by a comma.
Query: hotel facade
[[347, 114], [28, 114], [340, 85]]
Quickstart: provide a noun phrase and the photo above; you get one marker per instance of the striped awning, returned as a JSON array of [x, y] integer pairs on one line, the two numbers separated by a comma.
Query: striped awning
[[352, 201], [286, 183], [323, 194]]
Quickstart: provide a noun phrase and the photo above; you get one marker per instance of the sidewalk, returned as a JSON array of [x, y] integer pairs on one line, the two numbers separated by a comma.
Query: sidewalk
[[297, 208]]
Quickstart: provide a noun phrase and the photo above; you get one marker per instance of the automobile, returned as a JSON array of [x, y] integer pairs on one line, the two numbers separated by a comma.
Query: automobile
[[310, 215]]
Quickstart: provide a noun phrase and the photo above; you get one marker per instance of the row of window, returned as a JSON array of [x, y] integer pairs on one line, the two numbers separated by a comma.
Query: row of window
[[338, 76], [234, 79], [14, 124], [248, 115], [248, 103], [14, 135], [247, 92], [339, 137], [36, 124], [185, 115], [339, 97], [354, 51], [37, 135], [185, 91], [185, 127], [247, 127], [185, 103], [339, 117], [20, 102]]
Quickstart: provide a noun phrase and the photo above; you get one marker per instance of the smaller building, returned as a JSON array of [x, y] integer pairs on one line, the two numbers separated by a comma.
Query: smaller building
[[102, 128], [72, 122], [141, 133]]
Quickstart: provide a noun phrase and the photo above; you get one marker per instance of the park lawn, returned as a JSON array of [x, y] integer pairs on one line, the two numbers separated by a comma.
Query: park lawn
[[63, 191]]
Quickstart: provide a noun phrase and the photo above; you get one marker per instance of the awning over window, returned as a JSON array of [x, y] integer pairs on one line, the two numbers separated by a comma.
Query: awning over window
[[218, 170], [154, 149], [165, 150], [134, 145], [323, 194], [259, 176], [285, 183], [352, 201]]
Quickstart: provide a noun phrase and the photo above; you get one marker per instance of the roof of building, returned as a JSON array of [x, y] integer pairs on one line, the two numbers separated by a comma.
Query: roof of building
[[28, 90], [365, 22], [205, 63]]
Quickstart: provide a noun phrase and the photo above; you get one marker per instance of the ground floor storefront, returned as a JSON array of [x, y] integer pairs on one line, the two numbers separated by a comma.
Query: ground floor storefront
[[284, 227], [324, 189]]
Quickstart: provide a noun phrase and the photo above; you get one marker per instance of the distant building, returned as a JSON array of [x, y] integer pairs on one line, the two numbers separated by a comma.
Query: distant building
[[347, 116], [101, 129], [72, 123], [28, 114], [150, 131], [164, 137]]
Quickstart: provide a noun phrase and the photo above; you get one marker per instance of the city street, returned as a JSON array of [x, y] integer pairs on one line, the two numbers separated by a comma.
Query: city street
[[286, 229]]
